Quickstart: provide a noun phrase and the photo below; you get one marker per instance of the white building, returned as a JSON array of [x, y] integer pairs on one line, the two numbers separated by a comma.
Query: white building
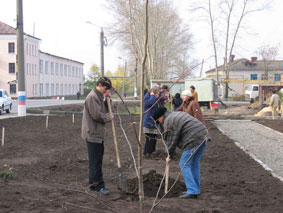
[[45, 74], [59, 76], [244, 71]]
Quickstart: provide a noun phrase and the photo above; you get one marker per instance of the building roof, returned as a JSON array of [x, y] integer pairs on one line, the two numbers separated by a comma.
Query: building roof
[[6, 29], [244, 64], [61, 57]]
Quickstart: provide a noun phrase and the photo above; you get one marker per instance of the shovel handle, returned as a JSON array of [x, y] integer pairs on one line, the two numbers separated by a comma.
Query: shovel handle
[[114, 134], [166, 177]]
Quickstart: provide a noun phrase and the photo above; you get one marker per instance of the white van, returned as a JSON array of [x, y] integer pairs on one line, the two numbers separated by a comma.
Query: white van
[[5, 102], [251, 92]]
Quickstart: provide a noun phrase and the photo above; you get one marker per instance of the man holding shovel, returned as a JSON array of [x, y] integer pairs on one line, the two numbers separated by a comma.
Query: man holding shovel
[[95, 116], [190, 135]]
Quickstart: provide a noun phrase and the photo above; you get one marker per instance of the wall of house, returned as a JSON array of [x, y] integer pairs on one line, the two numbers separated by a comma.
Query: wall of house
[[5, 59], [237, 89], [31, 66], [59, 76]]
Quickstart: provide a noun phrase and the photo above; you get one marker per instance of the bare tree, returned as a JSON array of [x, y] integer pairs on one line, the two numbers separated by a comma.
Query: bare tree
[[229, 22], [169, 39], [267, 53]]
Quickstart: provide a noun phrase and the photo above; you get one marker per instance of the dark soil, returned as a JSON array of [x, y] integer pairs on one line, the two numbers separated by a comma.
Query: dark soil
[[273, 124], [50, 173]]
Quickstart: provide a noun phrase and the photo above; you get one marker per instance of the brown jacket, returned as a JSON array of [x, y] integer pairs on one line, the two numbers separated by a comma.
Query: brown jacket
[[94, 117], [193, 109]]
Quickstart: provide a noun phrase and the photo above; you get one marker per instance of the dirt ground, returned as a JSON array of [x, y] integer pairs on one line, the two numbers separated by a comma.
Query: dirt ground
[[50, 172]]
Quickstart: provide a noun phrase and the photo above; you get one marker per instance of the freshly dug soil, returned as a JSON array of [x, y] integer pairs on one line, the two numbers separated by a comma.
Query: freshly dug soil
[[273, 124], [50, 173]]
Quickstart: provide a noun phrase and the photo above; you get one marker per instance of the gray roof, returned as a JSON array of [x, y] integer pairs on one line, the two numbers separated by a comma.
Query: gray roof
[[244, 64]]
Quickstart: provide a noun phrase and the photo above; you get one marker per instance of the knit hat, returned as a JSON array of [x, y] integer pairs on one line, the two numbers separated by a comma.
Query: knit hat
[[159, 112], [186, 93]]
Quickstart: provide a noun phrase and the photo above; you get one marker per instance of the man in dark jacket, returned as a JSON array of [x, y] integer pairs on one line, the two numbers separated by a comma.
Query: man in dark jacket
[[95, 116], [190, 135]]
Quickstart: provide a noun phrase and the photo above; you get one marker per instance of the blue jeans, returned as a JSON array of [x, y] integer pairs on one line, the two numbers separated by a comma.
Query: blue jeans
[[191, 171]]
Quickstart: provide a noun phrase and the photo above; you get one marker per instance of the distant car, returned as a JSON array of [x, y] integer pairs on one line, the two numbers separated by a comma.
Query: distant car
[[5, 102]]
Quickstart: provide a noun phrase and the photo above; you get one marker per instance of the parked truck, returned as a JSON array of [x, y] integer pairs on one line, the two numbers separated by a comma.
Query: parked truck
[[252, 91], [207, 90]]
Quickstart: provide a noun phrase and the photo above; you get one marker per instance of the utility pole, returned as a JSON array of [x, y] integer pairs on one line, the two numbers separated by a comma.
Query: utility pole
[[20, 58], [102, 51]]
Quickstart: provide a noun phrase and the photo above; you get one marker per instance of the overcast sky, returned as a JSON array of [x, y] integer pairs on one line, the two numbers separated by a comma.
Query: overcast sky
[[62, 27]]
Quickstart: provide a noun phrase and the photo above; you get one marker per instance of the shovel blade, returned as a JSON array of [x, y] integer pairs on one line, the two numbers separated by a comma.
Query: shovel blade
[[123, 180]]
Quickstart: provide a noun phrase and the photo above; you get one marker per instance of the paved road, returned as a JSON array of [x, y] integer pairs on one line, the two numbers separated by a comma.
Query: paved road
[[38, 103]]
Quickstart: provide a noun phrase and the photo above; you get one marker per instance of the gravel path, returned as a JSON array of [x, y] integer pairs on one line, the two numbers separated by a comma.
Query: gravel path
[[262, 143]]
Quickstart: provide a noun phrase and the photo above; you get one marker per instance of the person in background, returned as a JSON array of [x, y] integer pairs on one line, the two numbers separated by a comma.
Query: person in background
[[158, 85], [95, 117], [193, 91], [177, 101], [190, 135], [78, 95], [149, 127], [274, 103], [146, 90], [164, 95], [191, 106]]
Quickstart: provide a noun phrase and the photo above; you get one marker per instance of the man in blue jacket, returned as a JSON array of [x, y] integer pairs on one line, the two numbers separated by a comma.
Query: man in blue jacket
[[151, 103]]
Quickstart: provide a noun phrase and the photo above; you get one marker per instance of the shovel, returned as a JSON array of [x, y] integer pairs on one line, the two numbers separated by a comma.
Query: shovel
[[123, 180]]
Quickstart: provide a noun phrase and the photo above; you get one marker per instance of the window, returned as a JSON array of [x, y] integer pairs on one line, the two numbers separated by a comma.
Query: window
[[35, 73], [29, 48], [52, 68], [32, 69], [27, 71], [61, 69], [73, 71], [56, 69], [41, 89], [69, 70], [277, 77], [65, 89], [264, 77], [52, 89], [253, 76], [46, 67], [13, 89], [255, 88], [47, 89], [1, 94], [65, 69], [62, 90], [11, 67], [57, 89], [11, 47], [40, 66]]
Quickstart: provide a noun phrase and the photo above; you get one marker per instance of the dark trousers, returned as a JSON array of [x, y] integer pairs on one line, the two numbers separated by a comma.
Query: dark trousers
[[150, 143], [95, 157]]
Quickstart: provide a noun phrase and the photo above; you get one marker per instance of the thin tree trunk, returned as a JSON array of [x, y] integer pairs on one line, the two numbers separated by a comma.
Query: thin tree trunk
[[140, 178], [214, 42]]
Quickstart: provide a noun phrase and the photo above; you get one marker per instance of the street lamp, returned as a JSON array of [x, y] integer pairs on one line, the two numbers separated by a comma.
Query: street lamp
[[125, 70], [103, 42]]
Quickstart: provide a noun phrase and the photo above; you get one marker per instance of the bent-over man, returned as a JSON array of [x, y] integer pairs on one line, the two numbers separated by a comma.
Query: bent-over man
[[190, 135]]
